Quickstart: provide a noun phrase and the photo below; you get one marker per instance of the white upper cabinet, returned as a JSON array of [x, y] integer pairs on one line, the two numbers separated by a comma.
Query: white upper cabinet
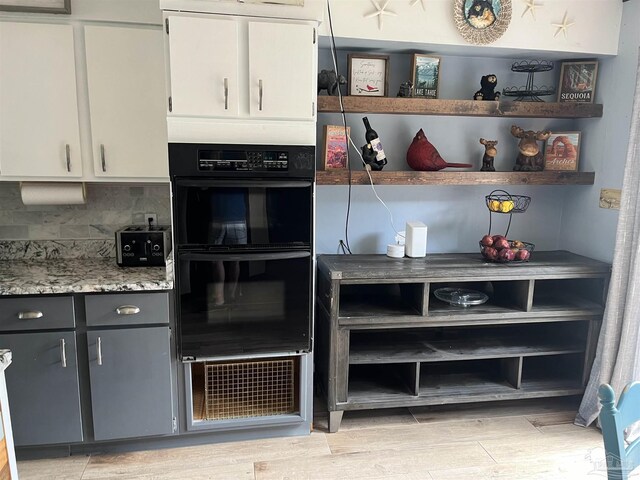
[[242, 67], [281, 70], [204, 66], [125, 72], [39, 131]]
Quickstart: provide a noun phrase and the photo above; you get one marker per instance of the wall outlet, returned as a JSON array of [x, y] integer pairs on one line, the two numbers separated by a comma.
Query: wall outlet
[[151, 219]]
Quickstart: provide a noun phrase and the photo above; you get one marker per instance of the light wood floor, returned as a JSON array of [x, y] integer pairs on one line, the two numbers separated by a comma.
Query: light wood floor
[[508, 441]]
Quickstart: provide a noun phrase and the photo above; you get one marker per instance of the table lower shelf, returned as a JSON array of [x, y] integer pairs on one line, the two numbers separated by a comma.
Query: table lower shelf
[[365, 394]]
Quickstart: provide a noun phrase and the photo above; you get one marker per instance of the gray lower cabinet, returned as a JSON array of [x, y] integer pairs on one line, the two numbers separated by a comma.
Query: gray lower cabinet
[[43, 388], [130, 382]]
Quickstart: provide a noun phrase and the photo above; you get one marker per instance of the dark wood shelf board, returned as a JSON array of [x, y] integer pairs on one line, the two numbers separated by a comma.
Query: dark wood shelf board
[[456, 389], [360, 177], [404, 349], [463, 108]]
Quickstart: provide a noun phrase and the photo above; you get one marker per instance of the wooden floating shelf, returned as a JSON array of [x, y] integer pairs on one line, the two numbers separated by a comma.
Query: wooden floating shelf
[[463, 108], [360, 177]]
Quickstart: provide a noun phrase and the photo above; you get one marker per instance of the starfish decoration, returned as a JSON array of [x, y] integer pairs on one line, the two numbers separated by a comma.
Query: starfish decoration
[[530, 7], [380, 12], [562, 27], [424, 3]]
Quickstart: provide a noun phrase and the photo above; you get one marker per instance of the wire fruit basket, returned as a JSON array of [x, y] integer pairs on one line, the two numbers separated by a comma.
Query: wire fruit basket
[[499, 201], [514, 251]]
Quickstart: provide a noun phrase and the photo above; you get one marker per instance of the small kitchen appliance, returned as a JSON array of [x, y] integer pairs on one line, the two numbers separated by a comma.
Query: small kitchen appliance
[[143, 245]]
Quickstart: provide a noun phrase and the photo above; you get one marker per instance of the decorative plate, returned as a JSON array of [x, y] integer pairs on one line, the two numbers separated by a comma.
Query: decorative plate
[[460, 297], [482, 21]]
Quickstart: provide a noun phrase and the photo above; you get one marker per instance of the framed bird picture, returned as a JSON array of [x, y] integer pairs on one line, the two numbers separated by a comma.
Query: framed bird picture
[[368, 75]]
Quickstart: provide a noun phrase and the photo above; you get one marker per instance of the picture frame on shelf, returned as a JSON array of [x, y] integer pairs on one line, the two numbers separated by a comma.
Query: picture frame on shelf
[[368, 75], [562, 151], [36, 6], [578, 81], [335, 147], [425, 75]]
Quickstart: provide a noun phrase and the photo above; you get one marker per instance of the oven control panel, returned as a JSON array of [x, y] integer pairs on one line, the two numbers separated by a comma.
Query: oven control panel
[[243, 160]]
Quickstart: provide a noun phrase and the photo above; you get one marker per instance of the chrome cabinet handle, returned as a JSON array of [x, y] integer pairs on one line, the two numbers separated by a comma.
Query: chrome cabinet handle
[[63, 353], [99, 348], [30, 315], [127, 310], [226, 94], [68, 152], [102, 159], [260, 88]]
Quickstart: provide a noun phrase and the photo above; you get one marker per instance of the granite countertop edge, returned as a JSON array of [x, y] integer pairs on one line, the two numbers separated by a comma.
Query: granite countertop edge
[[37, 276]]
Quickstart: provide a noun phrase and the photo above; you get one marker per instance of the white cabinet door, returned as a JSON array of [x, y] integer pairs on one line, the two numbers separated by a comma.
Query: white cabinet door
[[39, 131], [203, 55], [125, 70], [282, 70]]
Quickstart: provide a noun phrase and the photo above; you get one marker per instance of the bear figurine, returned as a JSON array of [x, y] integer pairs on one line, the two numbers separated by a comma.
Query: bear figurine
[[488, 84], [329, 81]]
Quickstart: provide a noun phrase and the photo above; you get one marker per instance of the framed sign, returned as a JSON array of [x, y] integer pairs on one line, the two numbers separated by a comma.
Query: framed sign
[[562, 151], [425, 75], [482, 21], [335, 146], [368, 75], [36, 6], [578, 82]]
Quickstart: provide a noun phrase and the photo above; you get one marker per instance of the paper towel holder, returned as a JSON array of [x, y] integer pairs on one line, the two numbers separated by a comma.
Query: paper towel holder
[[53, 193]]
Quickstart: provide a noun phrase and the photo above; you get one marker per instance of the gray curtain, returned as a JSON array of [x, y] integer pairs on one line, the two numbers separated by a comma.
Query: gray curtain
[[617, 360]]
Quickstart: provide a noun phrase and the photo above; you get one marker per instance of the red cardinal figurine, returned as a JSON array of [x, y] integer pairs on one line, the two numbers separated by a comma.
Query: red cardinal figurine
[[423, 156]]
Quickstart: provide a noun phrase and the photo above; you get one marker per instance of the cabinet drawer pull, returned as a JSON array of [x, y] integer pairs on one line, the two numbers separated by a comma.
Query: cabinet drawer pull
[[127, 310], [226, 94], [68, 152], [260, 89], [102, 159], [99, 349], [63, 353], [30, 315]]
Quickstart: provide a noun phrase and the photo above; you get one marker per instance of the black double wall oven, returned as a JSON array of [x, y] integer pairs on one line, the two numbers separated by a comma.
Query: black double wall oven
[[243, 228]]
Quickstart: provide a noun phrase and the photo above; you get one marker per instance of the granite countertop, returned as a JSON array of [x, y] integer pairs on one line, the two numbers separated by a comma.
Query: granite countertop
[[45, 273]]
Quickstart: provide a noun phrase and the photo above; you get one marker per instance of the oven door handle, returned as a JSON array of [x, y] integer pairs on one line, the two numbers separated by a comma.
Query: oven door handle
[[242, 257], [192, 182]]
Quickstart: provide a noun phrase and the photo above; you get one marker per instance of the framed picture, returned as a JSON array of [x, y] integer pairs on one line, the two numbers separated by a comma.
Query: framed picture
[[425, 75], [368, 75], [481, 22], [562, 151], [335, 147], [36, 6], [578, 81]]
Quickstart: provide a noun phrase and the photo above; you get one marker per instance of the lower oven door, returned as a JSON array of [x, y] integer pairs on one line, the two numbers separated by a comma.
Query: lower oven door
[[243, 304]]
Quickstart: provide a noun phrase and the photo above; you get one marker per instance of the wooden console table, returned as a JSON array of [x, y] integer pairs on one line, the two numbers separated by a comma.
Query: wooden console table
[[384, 340]]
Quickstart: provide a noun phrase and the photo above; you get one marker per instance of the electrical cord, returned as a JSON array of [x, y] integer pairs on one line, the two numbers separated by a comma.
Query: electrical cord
[[344, 245]]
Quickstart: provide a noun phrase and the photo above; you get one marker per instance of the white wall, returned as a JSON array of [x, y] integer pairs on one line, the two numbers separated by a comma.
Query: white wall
[[595, 30], [586, 228]]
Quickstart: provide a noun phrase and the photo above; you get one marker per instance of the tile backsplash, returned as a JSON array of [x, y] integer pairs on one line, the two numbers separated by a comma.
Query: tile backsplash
[[108, 208]]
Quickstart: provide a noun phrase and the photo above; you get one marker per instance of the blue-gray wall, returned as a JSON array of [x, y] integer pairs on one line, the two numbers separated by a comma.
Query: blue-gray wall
[[586, 228]]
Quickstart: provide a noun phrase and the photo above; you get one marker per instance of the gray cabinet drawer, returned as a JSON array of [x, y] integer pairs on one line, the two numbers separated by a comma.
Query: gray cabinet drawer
[[127, 309], [36, 313]]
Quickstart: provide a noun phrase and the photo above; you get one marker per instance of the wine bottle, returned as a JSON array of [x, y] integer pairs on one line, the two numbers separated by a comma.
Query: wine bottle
[[372, 138]]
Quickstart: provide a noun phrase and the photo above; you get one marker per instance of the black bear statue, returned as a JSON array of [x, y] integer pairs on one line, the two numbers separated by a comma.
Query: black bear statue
[[488, 84], [329, 81]]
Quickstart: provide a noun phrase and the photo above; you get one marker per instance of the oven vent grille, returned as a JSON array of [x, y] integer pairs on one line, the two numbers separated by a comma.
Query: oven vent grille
[[249, 389]]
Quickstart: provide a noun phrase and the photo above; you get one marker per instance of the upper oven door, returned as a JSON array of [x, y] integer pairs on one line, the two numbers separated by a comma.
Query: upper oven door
[[217, 214]]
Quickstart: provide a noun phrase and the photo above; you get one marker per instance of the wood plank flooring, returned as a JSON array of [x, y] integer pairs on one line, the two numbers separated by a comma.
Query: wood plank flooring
[[533, 439]]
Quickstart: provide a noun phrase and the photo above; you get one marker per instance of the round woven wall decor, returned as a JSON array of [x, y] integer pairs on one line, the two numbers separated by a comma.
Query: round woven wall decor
[[482, 21]]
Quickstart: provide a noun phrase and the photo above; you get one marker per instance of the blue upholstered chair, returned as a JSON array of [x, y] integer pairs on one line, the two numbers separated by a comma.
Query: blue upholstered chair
[[614, 419]]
